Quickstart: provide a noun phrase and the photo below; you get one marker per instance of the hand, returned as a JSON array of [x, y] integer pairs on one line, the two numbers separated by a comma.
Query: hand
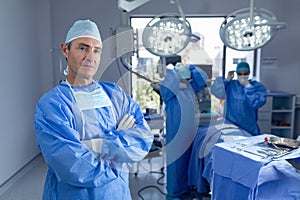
[[126, 122], [230, 75]]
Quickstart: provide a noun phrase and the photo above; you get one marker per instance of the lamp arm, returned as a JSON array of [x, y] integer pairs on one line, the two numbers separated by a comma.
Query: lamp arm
[[128, 66], [130, 5], [278, 25], [181, 14], [180, 9], [193, 37], [251, 10]]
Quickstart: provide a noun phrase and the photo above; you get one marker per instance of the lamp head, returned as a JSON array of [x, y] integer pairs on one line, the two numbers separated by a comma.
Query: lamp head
[[166, 35], [244, 31]]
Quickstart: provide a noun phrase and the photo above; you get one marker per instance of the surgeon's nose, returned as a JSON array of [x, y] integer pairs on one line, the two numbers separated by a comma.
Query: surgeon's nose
[[89, 56]]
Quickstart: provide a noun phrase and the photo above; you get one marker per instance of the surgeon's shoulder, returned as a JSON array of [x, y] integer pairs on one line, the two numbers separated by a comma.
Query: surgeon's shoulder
[[109, 87], [57, 95], [257, 84], [108, 84]]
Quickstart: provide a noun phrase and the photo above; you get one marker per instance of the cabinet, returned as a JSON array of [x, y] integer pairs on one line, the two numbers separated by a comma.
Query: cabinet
[[297, 118], [277, 115]]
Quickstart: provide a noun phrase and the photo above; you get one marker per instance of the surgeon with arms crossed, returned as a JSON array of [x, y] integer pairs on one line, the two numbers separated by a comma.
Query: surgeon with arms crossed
[[243, 98], [87, 129]]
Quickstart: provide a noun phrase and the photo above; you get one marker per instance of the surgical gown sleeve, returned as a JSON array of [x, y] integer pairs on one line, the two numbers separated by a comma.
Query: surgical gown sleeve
[[60, 145], [255, 94], [170, 83], [218, 88], [128, 145], [199, 78]]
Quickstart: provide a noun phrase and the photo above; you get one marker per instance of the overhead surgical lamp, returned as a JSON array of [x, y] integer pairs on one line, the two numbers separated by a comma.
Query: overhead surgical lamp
[[249, 29], [168, 34], [164, 36]]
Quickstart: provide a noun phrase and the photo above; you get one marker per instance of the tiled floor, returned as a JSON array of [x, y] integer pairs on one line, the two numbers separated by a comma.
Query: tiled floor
[[150, 181], [27, 184], [147, 184]]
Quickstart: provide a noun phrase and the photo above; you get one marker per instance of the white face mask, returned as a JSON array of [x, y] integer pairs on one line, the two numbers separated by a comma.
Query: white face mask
[[89, 100], [242, 78]]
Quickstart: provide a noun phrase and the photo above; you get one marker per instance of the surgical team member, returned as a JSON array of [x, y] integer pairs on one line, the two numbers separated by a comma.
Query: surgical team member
[[87, 129], [243, 98], [178, 93]]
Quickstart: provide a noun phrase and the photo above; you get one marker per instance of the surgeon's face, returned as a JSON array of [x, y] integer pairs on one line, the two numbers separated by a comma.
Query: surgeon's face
[[83, 57]]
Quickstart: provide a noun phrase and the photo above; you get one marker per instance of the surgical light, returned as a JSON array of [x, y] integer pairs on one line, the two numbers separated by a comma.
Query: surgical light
[[249, 28], [166, 35]]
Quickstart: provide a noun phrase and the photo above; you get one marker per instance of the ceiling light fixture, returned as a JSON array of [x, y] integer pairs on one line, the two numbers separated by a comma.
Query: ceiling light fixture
[[249, 29], [168, 34]]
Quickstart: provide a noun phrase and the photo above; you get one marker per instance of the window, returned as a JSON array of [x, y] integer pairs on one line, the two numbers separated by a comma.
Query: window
[[208, 53]]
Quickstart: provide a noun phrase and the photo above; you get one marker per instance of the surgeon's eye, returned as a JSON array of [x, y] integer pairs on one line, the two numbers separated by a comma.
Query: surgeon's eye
[[243, 74], [84, 49], [97, 51]]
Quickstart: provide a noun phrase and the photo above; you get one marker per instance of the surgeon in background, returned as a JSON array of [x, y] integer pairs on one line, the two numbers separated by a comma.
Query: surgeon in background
[[178, 93], [243, 98], [87, 129]]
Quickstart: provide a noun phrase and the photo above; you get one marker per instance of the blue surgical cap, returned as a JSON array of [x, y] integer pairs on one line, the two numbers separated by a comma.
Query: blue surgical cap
[[83, 28], [242, 66], [183, 71]]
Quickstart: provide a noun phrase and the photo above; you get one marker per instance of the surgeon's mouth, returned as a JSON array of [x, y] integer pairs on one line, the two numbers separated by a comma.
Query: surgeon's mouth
[[87, 66]]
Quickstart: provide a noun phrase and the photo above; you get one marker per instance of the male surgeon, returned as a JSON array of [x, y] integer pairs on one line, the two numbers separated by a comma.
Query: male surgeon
[[87, 129]]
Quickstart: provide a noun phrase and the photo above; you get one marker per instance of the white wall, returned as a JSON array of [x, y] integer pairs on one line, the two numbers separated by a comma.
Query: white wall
[[285, 47], [20, 79]]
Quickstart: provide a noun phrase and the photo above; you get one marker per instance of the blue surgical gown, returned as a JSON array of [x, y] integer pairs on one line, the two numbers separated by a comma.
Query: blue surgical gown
[[241, 103], [74, 171], [180, 126]]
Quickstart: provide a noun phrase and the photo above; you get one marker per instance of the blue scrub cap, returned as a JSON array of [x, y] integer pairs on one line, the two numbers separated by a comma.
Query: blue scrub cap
[[83, 28], [242, 66], [183, 71]]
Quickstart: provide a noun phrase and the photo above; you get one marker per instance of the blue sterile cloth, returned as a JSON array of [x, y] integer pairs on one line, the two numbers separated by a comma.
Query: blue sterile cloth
[[242, 173], [200, 167]]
